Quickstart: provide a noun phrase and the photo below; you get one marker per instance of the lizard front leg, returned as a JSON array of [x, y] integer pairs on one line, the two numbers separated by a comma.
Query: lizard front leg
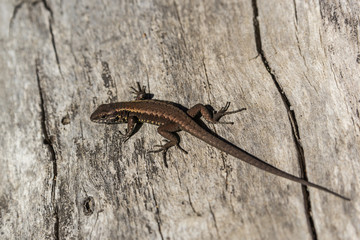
[[212, 117], [132, 121]]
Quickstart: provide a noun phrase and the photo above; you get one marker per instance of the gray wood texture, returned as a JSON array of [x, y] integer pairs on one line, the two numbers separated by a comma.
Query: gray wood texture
[[293, 64]]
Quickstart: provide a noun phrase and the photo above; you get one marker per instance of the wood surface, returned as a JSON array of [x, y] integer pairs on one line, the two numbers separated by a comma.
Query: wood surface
[[293, 64]]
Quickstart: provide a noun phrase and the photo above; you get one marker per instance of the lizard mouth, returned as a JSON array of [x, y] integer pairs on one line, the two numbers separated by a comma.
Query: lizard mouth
[[96, 118]]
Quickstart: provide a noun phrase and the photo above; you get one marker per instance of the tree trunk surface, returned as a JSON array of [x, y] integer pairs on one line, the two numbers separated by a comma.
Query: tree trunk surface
[[294, 65]]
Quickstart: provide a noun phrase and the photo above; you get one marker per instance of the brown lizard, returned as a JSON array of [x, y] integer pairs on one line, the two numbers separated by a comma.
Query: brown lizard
[[171, 118]]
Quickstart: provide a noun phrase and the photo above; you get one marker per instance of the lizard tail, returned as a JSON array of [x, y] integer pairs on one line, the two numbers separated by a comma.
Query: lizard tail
[[246, 157], [235, 151]]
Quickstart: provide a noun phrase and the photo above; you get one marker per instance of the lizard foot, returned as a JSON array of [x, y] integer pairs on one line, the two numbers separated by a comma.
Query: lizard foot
[[124, 136], [140, 92], [163, 150], [223, 111], [166, 146]]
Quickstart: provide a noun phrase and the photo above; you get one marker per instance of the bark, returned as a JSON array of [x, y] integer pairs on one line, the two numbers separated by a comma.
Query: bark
[[293, 64]]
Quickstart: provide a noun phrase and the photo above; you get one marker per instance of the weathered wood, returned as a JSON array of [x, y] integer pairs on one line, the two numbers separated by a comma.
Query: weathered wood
[[293, 64]]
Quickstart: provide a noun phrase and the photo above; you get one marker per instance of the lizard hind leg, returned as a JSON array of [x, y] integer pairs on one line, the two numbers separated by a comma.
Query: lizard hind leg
[[168, 131], [212, 116]]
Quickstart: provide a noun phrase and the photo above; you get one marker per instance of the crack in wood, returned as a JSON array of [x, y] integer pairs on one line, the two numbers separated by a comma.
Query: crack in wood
[[208, 87], [215, 223], [292, 119], [157, 216], [295, 11], [191, 204], [48, 143], [181, 26], [51, 19], [16, 10]]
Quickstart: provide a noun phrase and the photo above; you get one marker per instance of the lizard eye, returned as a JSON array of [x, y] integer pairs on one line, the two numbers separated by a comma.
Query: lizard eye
[[117, 118], [103, 116]]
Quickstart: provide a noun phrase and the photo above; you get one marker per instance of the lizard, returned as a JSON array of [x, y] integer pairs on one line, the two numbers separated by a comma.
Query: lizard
[[172, 118]]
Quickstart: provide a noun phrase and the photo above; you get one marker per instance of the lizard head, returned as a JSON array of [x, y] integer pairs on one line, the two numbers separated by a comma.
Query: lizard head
[[108, 114]]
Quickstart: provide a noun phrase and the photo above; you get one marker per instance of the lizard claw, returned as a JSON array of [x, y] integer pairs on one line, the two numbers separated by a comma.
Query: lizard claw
[[183, 150], [161, 148], [140, 92], [124, 136], [223, 111], [164, 149], [166, 146]]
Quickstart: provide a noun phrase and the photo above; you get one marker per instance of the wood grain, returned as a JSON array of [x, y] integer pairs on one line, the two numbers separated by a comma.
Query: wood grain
[[293, 64]]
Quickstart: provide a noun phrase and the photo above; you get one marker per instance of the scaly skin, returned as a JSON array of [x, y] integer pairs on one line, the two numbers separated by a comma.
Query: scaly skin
[[171, 118]]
